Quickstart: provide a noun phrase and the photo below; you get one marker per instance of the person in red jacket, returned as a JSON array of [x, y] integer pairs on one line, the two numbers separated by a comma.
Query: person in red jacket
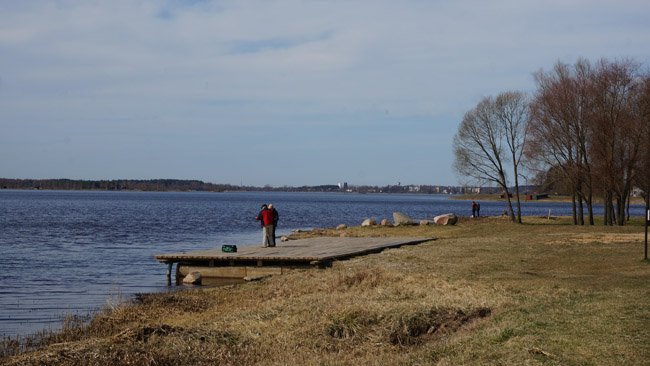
[[266, 220]]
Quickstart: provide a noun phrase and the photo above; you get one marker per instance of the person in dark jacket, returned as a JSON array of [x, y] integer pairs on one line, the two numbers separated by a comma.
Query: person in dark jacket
[[266, 220], [276, 218]]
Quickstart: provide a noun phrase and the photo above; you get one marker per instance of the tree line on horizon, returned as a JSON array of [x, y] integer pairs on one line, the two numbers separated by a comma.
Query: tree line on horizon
[[116, 185], [164, 185], [584, 131]]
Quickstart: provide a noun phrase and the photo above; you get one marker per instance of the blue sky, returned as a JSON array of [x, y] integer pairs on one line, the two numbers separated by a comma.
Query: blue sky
[[276, 92]]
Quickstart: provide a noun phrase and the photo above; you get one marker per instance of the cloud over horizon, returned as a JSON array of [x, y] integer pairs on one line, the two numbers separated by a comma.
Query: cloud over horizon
[[275, 92]]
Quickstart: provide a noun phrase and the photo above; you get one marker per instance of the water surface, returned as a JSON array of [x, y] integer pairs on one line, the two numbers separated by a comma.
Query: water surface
[[69, 252]]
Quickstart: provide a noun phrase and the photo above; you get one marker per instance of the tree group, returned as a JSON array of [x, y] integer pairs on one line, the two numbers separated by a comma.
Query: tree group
[[586, 129]]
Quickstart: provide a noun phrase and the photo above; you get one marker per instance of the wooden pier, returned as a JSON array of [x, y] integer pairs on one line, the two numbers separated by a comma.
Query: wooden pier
[[253, 261]]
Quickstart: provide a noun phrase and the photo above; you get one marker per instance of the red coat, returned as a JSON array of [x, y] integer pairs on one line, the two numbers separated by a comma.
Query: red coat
[[266, 216]]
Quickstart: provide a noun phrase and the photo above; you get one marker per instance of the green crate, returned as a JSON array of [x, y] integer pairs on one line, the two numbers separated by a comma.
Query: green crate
[[229, 248]]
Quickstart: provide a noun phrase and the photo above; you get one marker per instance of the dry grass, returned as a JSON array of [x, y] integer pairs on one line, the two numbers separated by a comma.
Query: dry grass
[[485, 292], [551, 198]]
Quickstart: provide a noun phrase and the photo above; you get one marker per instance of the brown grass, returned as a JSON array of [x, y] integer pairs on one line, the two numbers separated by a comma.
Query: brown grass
[[551, 198], [486, 292]]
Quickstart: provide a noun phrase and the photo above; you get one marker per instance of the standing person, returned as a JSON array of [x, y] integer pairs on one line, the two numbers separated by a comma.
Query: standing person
[[478, 209], [276, 218], [474, 208], [266, 220]]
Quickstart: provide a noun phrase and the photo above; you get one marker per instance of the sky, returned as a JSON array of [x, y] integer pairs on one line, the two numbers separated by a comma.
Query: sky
[[277, 93]]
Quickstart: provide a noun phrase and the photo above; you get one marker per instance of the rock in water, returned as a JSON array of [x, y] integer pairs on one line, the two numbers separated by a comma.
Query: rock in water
[[446, 219], [369, 222], [192, 278], [401, 219]]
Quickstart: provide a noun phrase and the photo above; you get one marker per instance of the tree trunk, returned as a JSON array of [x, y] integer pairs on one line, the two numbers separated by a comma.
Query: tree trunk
[[646, 219], [581, 214], [607, 208], [510, 210], [573, 208], [590, 207], [589, 201], [620, 210], [518, 198]]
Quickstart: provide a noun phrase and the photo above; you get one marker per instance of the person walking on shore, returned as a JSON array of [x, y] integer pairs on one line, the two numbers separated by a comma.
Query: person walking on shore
[[276, 218], [266, 220], [474, 208]]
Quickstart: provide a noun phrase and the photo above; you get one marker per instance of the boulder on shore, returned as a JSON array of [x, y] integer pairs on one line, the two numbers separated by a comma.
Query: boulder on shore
[[369, 222], [193, 278], [425, 222], [384, 222], [342, 227], [402, 219], [446, 219]]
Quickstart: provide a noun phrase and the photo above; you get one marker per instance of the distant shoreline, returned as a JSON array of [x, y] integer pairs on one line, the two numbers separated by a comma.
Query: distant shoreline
[[179, 185]]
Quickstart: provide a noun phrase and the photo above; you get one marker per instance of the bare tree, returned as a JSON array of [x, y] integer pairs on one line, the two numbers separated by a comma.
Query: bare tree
[[559, 133], [616, 128], [643, 113], [512, 110], [587, 123], [491, 136], [643, 178]]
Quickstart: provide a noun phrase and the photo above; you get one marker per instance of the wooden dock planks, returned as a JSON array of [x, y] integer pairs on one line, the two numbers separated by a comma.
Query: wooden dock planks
[[252, 261], [303, 250]]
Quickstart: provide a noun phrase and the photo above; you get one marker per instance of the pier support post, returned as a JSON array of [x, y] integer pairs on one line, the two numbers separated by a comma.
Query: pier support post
[[169, 273]]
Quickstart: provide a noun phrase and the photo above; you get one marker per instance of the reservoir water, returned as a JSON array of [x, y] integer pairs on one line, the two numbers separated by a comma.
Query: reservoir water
[[72, 252]]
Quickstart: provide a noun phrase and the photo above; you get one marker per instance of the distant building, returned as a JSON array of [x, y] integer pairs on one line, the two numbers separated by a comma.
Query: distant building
[[414, 188]]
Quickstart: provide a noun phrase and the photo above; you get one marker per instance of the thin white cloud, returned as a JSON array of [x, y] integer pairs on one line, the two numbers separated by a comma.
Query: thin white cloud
[[218, 64]]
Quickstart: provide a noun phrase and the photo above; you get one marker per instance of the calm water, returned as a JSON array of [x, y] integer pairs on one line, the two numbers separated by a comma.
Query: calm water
[[70, 252]]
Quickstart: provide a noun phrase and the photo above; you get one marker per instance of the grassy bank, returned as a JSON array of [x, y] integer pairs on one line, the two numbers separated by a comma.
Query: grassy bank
[[485, 292], [550, 198]]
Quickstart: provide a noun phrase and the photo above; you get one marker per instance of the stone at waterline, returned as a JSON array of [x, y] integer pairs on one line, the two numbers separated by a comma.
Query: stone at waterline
[[342, 227], [256, 278], [384, 222], [192, 278], [446, 219], [425, 222], [284, 238], [369, 222], [402, 219]]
